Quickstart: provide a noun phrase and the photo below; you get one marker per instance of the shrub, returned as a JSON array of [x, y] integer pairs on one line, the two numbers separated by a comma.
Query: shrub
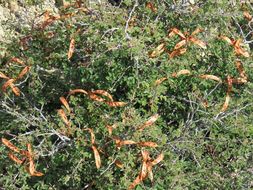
[[203, 147]]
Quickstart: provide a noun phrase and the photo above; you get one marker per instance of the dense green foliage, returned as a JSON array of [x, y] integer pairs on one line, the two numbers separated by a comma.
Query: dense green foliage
[[203, 147]]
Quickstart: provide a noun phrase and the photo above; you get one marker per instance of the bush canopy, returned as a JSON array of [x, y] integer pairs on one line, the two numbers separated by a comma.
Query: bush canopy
[[133, 94]]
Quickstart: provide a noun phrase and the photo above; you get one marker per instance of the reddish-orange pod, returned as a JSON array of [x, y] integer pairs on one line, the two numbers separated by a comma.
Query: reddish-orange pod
[[7, 84], [3, 76], [31, 168], [15, 159], [65, 103], [150, 122], [10, 145], [157, 51], [97, 156], [15, 89], [103, 93], [64, 117], [116, 104], [177, 52], [71, 48], [148, 144], [247, 15], [150, 6], [23, 72]]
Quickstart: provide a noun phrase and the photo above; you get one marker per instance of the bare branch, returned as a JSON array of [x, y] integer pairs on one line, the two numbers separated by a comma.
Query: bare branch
[[129, 18]]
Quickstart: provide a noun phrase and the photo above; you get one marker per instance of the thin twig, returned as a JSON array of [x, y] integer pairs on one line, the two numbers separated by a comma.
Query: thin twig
[[128, 37]]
